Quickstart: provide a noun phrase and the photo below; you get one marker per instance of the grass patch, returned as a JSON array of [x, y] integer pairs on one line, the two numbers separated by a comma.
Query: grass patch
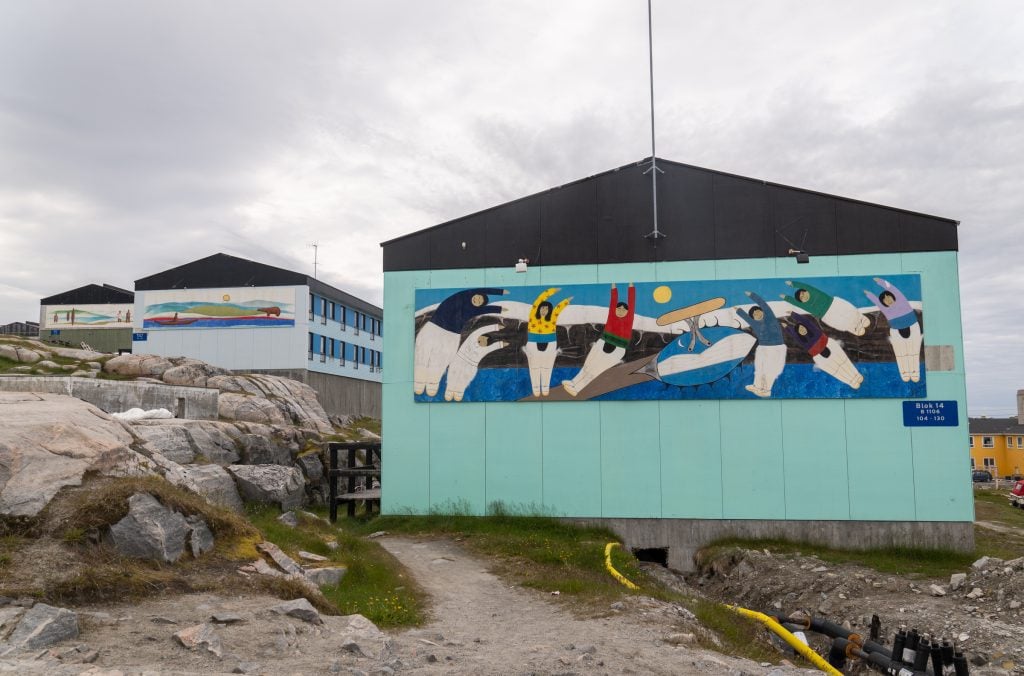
[[913, 562], [537, 552], [105, 502], [375, 586], [993, 507]]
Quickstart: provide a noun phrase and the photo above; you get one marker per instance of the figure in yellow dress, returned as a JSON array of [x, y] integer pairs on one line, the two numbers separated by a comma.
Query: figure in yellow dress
[[542, 340]]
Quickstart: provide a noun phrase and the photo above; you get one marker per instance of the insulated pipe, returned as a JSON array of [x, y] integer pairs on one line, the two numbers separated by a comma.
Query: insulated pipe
[[833, 630], [898, 642], [960, 664], [921, 657], [937, 658], [793, 642], [877, 661]]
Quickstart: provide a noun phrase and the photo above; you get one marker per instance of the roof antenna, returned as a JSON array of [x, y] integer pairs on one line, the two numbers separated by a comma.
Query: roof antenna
[[653, 170], [316, 247]]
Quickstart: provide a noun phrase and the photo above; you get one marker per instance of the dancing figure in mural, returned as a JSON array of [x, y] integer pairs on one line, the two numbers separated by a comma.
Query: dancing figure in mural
[[610, 348], [541, 340], [438, 341], [770, 355], [904, 329], [467, 360], [827, 354], [838, 313]]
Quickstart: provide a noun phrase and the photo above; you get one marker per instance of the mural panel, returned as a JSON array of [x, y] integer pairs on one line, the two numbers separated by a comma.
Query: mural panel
[[826, 337], [244, 307], [98, 316]]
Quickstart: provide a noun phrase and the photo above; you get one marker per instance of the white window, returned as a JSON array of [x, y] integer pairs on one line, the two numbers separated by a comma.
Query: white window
[[990, 463], [972, 463], [972, 442], [1020, 442], [988, 442]]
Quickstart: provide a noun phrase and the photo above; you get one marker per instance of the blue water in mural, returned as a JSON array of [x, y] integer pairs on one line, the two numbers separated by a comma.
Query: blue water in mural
[[798, 381], [220, 323]]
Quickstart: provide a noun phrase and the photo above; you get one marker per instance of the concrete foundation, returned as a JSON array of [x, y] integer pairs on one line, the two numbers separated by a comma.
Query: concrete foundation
[[684, 537], [117, 396], [338, 395]]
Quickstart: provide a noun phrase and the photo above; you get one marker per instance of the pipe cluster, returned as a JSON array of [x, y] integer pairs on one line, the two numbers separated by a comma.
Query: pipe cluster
[[912, 654]]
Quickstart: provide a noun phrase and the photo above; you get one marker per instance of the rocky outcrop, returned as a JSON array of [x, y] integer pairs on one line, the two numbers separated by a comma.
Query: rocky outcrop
[[210, 481], [193, 373], [272, 484], [19, 354], [48, 441], [247, 407], [297, 402], [152, 531], [40, 627], [172, 441], [137, 365], [215, 441]]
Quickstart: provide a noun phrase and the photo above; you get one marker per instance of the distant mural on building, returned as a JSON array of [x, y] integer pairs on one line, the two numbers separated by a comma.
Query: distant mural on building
[[92, 316], [825, 337], [219, 308]]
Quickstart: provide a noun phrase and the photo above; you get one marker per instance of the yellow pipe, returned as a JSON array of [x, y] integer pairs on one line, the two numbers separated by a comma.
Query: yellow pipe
[[611, 569], [790, 639]]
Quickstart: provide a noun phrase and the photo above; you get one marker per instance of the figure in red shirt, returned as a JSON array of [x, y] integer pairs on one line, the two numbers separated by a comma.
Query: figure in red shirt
[[610, 349]]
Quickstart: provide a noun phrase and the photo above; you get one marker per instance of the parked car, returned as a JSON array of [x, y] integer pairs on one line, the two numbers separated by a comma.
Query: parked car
[[1017, 494], [981, 476]]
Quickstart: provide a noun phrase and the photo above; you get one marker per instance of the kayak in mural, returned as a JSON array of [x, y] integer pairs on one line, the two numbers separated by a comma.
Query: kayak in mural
[[827, 337], [219, 308]]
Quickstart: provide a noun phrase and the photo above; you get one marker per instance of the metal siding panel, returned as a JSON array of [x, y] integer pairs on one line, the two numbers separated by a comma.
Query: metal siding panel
[[921, 233], [866, 228], [514, 462], [569, 225], [624, 217], [572, 458], [741, 219], [802, 220], [513, 232], [881, 467], [405, 468], [630, 460], [814, 449], [691, 460], [942, 489], [686, 214], [457, 451], [410, 253], [752, 454], [446, 246]]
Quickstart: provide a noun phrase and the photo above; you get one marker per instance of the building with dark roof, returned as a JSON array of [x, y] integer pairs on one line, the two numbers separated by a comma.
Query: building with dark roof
[[251, 317], [23, 329], [557, 354], [98, 315], [997, 444]]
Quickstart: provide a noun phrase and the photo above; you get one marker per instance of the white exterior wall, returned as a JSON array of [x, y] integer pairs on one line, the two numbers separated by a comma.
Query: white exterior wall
[[347, 333], [242, 348]]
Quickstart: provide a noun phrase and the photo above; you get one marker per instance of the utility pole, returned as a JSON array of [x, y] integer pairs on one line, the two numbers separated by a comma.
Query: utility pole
[[316, 247], [653, 170]]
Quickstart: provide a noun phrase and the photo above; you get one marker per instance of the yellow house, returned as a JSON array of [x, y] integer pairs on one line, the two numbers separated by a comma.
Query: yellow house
[[997, 444]]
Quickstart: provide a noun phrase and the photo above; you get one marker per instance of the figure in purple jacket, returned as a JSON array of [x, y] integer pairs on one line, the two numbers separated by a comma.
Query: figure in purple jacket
[[437, 342], [826, 353], [904, 329]]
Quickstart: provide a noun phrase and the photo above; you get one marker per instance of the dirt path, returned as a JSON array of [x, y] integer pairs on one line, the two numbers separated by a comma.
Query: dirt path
[[480, 625]]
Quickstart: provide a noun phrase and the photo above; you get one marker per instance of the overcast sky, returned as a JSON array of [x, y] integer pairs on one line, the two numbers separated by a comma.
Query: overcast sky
[[139, 135]]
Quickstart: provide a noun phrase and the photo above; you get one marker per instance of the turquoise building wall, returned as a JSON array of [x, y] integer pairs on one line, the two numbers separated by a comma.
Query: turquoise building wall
[[789, 460]]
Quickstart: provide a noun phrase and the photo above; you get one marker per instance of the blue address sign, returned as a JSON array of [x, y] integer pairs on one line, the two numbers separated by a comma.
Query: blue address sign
[[138, 337], [930, 414]]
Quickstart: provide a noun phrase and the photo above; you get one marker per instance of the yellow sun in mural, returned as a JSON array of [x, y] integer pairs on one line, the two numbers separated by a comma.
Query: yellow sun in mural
[[662, 294], [225, 298]]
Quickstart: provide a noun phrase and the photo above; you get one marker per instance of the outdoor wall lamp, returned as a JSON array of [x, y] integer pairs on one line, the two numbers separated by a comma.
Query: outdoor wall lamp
[[521, 264], [801, 256]]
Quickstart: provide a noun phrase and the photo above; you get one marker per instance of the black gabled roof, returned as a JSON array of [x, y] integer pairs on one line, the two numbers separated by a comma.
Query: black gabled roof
[[91, 294], [1009, 425], [223, 270], [706, 215]]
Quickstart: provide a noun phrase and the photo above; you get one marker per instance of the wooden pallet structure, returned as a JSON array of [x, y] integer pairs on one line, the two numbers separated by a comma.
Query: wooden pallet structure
[[357, 475]]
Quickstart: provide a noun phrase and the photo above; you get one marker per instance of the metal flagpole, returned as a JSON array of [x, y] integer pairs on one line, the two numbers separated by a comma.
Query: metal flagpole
[[653, 170]]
